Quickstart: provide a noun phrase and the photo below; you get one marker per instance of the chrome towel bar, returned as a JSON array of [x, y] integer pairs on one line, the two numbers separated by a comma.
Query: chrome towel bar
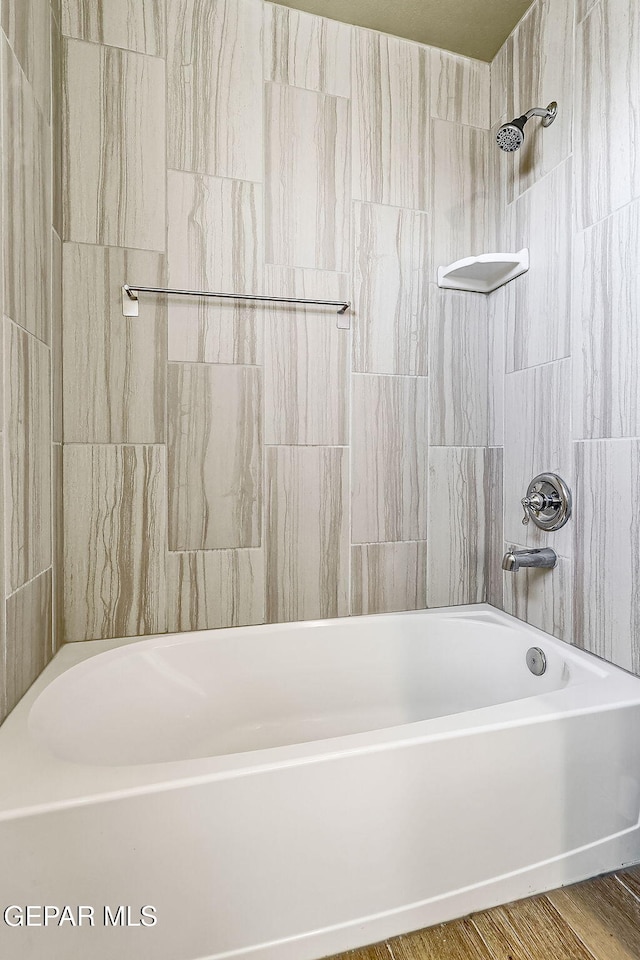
[[130, 293]]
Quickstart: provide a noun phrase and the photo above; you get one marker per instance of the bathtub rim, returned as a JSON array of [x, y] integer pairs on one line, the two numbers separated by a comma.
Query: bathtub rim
[[40, 781]]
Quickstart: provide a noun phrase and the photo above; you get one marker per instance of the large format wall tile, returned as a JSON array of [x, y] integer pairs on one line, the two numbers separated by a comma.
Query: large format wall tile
[[539, 70], [307, 51], [539, 302], [391, 267], [494, 525], [214, 588], [26, 25], [307, 533], [56, 337], [114, 146], [57, 133], [214, 87], [26, 170], [306, 378], [214, 242], [389, 451], [607, 328], [131, 24], [458, 367], [28, 467], [307, 198], [459, 489], [390, 90], [28, 636], [460, 198], [541, 597], [215, 456], [57, 540], [114, 541], [607, 107], [114, 366], [386, 577], [459, 89], [537, 440], [607, 550]]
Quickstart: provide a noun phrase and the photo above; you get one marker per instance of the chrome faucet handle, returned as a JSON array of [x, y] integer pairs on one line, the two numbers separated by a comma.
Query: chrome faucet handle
[[547, 503], [533, 504]]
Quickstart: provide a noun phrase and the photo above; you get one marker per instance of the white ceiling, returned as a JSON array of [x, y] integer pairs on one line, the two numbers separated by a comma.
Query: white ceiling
[[475, 28]]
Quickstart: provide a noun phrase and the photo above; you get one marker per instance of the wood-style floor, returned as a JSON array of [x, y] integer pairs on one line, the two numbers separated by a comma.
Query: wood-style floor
[[595, 920]]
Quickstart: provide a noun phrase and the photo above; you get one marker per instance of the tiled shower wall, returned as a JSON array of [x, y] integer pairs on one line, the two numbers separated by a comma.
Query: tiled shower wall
[[30, 294], [571, 381], [225, 463]]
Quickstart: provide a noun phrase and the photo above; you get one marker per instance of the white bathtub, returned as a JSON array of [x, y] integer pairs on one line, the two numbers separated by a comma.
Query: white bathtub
[[288, 792]]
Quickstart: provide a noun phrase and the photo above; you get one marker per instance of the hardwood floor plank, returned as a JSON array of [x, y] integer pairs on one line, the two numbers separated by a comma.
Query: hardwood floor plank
[[605, 916], [529, 930], [378, 951], [458, 940]]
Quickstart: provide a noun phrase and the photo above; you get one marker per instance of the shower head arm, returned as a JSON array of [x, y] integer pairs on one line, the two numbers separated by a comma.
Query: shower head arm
[[548, 114]]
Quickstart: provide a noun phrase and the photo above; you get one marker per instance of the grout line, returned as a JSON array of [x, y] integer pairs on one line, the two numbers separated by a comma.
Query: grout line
[[29, 582], [536, 366]]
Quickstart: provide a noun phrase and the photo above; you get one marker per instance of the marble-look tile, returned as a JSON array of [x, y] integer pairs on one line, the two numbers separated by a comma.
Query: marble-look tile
[[501, 67], [390, 89], [57, 527], [28, 466], [389, 457], [56, 127], [607, 547], [214, 87], [26, 169], [583, 7], [459, 486], [539, 302], [541, 598], [114, 509], [214, 242], [26, 24], [131, 24], [608, 99], [541, 69], [56, 338], [496, 308], [537, 440], [386, 577], [458, 368], [214, 588], [459, 89], [306, 377], [494, 526], [307, 196], [214, 456], [460, 192], [307, 533], [28, 635], [606, 347], [308, 284], [391, 273], [114, 147], [56, 9], [307, 51], [114, 366]]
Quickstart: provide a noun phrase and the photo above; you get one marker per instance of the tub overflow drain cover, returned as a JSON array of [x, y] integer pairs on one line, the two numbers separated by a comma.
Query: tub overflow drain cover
[[536, 661]]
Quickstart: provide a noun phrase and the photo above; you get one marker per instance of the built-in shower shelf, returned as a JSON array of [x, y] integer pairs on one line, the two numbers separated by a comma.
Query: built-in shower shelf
[[484, 273]]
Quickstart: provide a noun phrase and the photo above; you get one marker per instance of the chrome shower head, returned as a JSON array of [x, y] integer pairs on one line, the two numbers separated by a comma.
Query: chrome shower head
[[510, 136]]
